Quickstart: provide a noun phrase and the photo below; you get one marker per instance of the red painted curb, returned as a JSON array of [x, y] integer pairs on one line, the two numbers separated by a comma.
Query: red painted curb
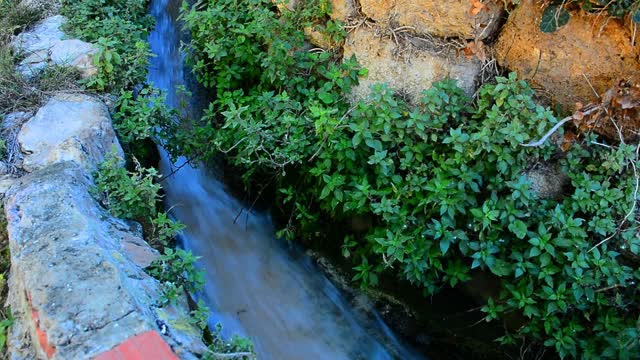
[[146, 346], [43, 340]]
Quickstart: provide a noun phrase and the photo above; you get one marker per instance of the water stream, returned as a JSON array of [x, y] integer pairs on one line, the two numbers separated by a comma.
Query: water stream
[[256, 285]]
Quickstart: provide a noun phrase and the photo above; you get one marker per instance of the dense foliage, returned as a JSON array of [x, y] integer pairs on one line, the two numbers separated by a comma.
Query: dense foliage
[[443, 177], [119, 28], [135, 195]]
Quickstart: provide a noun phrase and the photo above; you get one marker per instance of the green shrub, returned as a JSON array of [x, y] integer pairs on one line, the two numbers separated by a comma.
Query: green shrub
[[119, 28], [237, 347], [177, 272], [135, 195], [143, 116], [129, 195], [264, 77], [443, 178]]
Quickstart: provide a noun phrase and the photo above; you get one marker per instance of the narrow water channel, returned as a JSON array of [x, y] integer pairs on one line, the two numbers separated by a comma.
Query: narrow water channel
[[256, 285]]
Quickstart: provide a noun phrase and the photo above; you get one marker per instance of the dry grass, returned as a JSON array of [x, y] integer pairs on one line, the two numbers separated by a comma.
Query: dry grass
[[16, 92], [20, 94], [5, 264]]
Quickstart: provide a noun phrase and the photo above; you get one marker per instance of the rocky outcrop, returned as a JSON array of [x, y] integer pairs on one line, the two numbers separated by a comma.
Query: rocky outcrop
[[405, 43], [443, 18], [82, 133], [77, 286], [79, 270], [343, 9], [46, 7], [45, 45], [410, 67], [588, 55]]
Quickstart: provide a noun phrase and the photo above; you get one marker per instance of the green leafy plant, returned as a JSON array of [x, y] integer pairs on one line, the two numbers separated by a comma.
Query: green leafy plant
[[164, 230], [237, 347], [5, 325], [135, 195], [443, 178], [557, 14], [270, 80], [177, 272], [119, 28], [553, 18], [130, 195], [144, 115], [200, 316]]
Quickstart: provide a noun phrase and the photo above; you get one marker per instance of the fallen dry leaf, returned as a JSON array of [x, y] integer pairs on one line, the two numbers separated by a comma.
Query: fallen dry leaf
[[476, 7]]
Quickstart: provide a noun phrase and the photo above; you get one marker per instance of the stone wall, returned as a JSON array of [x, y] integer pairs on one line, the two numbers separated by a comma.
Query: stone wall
[[411, 44], [77, 285]]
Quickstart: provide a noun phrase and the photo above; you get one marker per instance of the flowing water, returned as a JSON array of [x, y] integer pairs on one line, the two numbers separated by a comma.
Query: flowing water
[[256, 285]]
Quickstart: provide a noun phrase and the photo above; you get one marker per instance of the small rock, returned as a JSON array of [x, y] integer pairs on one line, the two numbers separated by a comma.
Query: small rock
[[76, 53], [6, 181], [4, 168], [31, 69], [547, 181], [82, 132], [46, 34], [45, 44], [34, 63], [412, 74]]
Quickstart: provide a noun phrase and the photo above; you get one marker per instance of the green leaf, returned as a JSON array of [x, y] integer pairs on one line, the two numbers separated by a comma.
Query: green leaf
[[374, 144], [534, 252], [636, 16], [519, 272], [553, 17], [326, 97], [475, 263], [519, 228], [444, 245], [356, 140]]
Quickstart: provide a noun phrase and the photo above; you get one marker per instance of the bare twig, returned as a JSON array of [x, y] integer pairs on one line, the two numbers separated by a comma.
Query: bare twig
[[601, 144], [179, 167], [608, 288], [558, 126], [591, 86], [535, 72], [633, 206], [617, 129]]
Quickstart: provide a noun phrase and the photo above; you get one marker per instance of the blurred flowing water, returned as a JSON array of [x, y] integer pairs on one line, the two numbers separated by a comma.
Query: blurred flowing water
[[256, 285]]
